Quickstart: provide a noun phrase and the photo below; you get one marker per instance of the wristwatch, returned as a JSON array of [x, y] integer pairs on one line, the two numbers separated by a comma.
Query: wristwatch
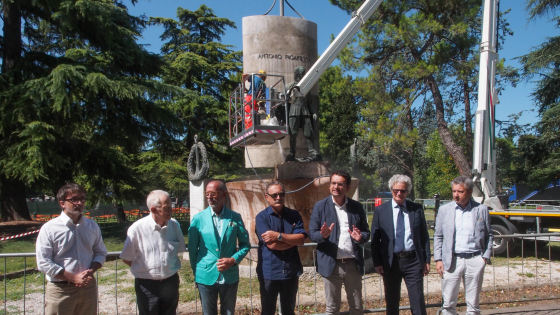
[[279, 236]]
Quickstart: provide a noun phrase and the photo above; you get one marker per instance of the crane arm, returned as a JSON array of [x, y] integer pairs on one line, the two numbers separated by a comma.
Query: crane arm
[[358, 19], [484, 154]]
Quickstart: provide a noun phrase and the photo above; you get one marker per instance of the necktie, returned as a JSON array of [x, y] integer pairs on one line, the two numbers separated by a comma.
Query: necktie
[[399, 237]]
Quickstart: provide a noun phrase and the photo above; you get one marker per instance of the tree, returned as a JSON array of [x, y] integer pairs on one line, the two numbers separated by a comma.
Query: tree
[[197, 61], [79, 100], [417, 39], [544, 62], [441, 169], [430, 47], [339, 111]]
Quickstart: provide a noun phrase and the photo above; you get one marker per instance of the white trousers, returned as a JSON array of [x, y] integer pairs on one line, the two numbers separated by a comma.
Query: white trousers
[[471, 272]]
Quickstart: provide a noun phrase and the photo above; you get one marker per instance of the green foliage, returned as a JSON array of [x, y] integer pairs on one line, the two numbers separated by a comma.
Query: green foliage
[[338, 108], [505, 170], [542, 155], [197, 61], [84, 102], [81, 101], [419, 55], [441, 170]]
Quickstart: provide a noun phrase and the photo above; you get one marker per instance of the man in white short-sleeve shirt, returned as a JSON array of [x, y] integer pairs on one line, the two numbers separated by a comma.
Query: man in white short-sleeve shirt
[[151, 250]]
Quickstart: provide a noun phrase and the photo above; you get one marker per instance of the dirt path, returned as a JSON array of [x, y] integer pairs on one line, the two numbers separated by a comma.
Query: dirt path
[[496, 285]]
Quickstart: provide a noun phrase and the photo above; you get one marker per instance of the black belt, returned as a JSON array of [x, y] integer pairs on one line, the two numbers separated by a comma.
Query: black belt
[[406, 254], [159, 280], [62, 283], [467, 255], [345, 260]]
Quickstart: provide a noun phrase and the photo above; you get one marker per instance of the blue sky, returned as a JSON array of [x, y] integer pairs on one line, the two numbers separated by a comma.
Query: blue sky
[[331, 19]]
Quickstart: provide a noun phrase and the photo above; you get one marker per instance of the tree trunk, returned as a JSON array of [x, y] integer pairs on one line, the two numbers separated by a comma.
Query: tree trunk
[[121, 216], [14, 206], [12, 35], [468, 118], [12, 192], [456, 152]]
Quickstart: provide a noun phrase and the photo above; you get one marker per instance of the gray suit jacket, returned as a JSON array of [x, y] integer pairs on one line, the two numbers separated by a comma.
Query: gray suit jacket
[[444, 236]]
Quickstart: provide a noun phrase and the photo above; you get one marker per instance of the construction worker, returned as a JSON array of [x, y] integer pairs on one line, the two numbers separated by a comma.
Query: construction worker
[[256, 91]]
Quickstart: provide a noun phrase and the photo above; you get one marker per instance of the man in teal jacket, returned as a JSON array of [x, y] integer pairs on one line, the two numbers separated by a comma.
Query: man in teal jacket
[[214, 237]]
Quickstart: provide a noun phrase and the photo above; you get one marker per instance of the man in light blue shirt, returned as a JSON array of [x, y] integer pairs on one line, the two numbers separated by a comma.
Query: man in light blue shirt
[[462, 246]]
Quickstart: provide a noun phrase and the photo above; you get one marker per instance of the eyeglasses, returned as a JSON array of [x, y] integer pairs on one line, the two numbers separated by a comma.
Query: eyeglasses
[[274, 196], [76, 200], [211, 194], [402, 191]]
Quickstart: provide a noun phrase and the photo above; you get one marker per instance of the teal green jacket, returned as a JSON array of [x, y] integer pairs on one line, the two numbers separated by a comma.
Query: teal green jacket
[[204, 250]]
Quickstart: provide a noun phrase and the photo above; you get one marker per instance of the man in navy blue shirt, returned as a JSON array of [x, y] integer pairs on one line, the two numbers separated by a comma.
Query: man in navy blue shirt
[[280, 230]]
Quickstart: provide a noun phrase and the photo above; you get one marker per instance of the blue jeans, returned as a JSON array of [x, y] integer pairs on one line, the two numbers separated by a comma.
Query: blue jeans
[[209, 298]]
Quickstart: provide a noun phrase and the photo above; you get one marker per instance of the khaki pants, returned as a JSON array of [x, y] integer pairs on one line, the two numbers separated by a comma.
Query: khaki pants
[[344, 273], [64, 298]]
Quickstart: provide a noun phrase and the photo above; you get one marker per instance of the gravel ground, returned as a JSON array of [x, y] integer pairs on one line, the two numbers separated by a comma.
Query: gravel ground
[[498, 281]]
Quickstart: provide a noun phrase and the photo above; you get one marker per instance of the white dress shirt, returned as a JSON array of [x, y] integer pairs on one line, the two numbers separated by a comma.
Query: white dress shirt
[[152, 249], [408, 242], [345, 249], [61, 244]]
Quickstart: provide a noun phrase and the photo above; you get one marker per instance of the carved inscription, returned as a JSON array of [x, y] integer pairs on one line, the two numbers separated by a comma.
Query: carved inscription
[[286, 56]]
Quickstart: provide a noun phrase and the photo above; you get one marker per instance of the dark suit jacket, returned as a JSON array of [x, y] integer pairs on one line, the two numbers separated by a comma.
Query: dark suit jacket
[[324, 211], [383, 234]]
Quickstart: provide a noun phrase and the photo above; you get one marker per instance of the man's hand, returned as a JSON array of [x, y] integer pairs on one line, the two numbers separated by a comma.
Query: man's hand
[[326, 230], [81, 279], [225, 263], [379, 269], [355, 233], [426, 269], [439, 267], [270, 236]]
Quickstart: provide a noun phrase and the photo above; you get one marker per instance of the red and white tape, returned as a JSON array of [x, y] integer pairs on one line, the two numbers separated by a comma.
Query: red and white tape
[[18, 235], [270, 131]]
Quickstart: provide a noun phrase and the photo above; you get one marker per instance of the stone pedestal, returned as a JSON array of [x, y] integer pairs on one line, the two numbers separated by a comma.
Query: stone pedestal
[[294, 170], [197, 200]]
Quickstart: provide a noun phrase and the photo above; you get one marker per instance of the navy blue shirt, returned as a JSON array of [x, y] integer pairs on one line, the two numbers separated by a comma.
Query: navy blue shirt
[[278, 264]]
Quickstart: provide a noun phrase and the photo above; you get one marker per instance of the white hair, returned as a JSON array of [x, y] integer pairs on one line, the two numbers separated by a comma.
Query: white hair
[[400, 178], [154, 198]]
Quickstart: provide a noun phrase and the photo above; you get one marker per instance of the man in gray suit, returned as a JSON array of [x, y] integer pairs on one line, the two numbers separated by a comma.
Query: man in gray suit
[[462, 246]]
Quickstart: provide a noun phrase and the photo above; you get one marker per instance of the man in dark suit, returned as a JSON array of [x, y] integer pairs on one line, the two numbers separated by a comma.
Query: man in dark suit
[[339, 226], [401, 246]]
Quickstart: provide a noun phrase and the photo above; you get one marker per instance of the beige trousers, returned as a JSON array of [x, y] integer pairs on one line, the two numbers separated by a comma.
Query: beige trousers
[[470, 271], [64, 298]]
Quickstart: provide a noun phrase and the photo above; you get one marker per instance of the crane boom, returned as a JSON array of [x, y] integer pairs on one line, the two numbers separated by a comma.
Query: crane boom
[[484, 154], [358, 19]]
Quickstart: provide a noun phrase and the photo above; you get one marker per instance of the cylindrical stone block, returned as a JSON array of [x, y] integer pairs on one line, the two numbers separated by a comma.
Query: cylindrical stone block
[[277, 45]]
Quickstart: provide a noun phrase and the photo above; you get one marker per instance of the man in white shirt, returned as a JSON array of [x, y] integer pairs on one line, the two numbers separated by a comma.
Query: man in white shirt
[[151, 250], [69, 250], [339, 226]]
